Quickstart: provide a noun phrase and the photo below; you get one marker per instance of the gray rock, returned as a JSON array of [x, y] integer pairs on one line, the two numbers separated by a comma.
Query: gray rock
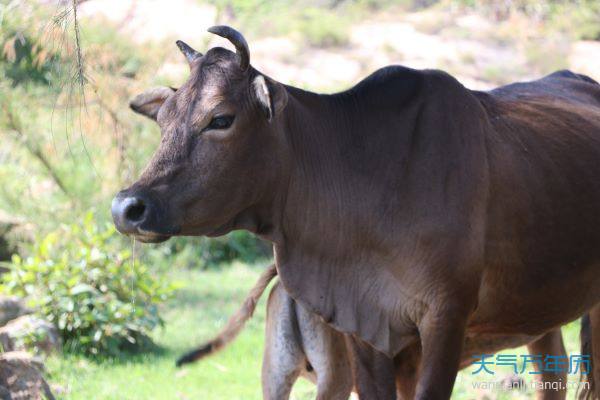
[[10, 308], [21, 376], [5, 393], [29, 332]]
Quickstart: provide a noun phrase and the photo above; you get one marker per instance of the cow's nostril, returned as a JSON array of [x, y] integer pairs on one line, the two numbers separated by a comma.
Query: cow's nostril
[[129, 212], [135, 211]]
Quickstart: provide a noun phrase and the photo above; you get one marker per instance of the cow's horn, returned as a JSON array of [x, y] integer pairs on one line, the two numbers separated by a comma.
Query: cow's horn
[[241, 46], [188, 52]]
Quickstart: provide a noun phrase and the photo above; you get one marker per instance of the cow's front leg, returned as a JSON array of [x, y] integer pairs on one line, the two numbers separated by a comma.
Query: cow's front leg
[[442, 336], [372, 370]]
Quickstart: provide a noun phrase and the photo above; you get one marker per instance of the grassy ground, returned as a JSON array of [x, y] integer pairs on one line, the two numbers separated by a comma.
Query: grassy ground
[[199, 310]]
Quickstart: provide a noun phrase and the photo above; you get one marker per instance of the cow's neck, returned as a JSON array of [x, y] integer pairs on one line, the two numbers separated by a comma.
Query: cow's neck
[[363, 164], [324, 134]]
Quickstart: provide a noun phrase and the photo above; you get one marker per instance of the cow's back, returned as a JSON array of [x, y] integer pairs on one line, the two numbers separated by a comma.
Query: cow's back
[[544, 208], [561, 85]]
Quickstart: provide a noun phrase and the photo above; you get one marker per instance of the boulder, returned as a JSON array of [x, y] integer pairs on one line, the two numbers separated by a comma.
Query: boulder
[[5, 393], [29, 332], [10, 308], [21, 377]]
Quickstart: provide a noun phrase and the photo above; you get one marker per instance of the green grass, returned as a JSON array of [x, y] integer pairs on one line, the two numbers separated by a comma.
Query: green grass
[[200, 308]]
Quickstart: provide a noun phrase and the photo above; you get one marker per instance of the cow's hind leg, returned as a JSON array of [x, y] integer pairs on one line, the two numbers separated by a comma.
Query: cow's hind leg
[[595, 325], [407, 371], [590, 345], [556, 383]]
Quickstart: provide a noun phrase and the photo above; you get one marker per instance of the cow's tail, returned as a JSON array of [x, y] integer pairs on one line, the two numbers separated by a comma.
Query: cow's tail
[[587, 385], [236, 322]]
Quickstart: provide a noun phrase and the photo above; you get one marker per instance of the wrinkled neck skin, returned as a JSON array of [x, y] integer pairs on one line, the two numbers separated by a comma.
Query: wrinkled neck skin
[[319, 207], [309, 163], [322, 150]]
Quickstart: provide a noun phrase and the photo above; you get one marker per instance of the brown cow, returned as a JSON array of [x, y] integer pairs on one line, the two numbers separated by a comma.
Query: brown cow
[[405, 208]]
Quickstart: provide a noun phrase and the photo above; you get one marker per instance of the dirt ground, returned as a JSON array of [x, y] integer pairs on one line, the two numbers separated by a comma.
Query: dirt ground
[[476, 50]]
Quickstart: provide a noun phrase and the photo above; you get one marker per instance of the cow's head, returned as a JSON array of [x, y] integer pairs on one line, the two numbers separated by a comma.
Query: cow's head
[[220, 151]]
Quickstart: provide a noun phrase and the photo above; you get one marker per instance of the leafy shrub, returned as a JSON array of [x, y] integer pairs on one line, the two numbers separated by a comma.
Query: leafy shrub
[[206, 253], [101, 299], [239, 245]]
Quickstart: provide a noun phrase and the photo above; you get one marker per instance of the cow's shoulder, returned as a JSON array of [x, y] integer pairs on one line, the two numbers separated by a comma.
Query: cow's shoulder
[[393, 83], [392, 74], [397, 76], [398, 85]]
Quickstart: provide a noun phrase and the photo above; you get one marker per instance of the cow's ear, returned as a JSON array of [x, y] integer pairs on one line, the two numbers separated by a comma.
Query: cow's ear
[[271, 95], [149, 102]]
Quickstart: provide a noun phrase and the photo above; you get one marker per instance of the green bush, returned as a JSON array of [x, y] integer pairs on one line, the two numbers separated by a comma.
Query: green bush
[[207, 253], [101, 299]]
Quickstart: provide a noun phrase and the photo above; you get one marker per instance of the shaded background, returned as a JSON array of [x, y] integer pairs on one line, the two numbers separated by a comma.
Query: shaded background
[[69, 142]]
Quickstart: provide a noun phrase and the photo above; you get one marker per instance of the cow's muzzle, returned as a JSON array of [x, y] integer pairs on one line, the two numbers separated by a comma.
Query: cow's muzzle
[[138, 216]]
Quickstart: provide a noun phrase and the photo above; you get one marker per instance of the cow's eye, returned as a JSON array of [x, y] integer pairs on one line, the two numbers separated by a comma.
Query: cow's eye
[[220, 122]]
